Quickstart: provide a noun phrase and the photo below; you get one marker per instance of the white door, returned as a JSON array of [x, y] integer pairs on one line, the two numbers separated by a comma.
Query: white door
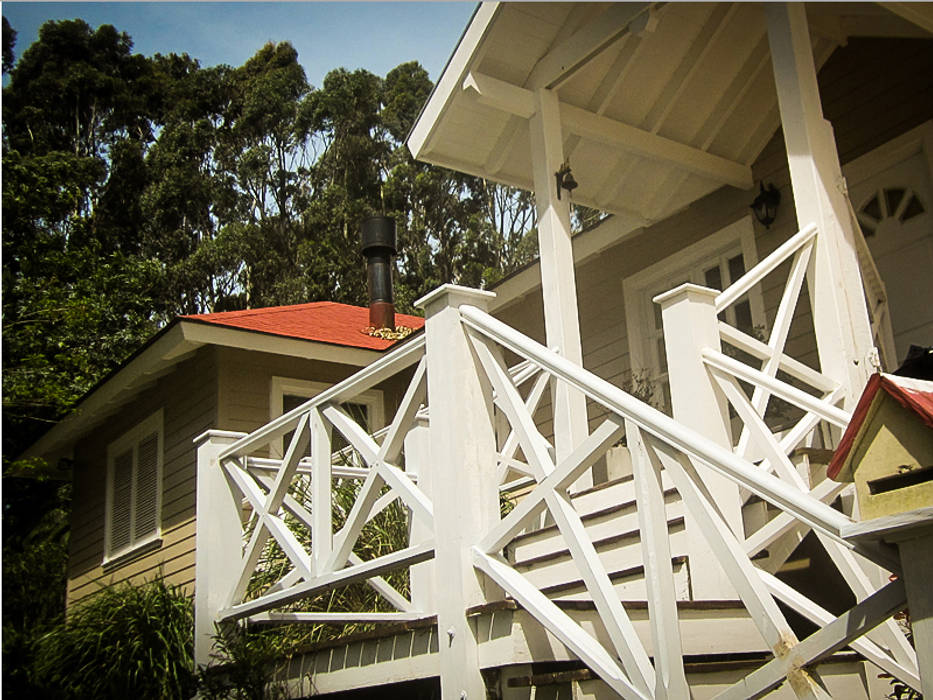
[[891, 192]]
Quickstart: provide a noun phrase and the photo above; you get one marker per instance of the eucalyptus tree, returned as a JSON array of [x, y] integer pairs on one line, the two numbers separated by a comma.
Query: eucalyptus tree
[[77, 118]]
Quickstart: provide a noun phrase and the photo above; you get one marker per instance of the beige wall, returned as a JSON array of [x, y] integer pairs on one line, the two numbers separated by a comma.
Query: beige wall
[[187, 397]]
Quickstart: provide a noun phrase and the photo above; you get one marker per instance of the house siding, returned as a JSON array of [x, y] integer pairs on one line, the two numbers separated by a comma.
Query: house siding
[[187, 397]]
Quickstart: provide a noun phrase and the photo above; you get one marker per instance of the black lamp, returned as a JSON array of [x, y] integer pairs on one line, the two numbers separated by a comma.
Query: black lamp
[[766, 204], [565, 179]]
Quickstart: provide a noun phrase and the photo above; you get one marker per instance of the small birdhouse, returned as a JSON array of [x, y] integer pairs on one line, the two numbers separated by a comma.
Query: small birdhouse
[[887, 450]]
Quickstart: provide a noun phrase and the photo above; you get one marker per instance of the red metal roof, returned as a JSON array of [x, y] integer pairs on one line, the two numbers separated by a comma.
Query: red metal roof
[[913, 394], [321, 322]]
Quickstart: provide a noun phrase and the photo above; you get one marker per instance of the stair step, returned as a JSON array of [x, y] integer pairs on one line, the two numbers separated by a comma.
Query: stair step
[[599, 523], [629, 584]]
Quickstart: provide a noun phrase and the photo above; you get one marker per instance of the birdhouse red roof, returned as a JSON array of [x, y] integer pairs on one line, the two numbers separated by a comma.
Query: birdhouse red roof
[[321, 321], [916, 395]]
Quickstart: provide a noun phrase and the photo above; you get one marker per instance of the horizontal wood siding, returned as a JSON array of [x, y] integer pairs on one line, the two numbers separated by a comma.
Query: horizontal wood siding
[[187, 397], [246, 381]]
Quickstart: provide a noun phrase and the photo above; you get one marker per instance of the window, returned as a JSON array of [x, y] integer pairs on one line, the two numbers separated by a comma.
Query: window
[[134, 489], [715, 261], [287, 394]]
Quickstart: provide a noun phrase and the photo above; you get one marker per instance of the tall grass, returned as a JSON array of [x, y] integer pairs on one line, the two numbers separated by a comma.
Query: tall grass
[[125, 642]]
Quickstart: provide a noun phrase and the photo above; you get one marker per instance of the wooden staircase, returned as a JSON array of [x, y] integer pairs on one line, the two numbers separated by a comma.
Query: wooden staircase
[[720, 641]]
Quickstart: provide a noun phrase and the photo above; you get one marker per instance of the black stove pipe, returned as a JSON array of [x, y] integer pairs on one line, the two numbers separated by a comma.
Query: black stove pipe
[[378, 237]]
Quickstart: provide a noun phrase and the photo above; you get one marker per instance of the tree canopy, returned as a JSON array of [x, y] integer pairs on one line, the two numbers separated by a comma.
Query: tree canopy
[[137, 188]]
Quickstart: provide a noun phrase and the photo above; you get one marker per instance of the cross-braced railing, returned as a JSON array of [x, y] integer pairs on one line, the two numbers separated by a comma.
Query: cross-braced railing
[[289, 504], [441, 458], [662, 445]]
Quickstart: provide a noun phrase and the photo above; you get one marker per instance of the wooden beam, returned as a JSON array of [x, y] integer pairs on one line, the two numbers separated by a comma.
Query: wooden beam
[[615, 133], [837, 634], [565, 59], [920, 14], [501, 95], [840, 318], [519, 101], [558, 279]]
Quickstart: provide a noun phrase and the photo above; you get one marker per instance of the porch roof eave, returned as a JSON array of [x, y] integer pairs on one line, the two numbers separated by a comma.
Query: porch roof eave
[[660, 103]]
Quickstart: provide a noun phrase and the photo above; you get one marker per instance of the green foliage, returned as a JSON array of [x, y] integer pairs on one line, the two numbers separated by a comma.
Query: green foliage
[[126, 641], [9, 41], [246, 661], [35, 551]]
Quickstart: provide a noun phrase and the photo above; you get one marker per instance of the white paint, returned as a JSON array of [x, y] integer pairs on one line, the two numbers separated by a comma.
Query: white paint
[[690, 326], [843, 333], [466, 504], [558, 282], [218, 542]]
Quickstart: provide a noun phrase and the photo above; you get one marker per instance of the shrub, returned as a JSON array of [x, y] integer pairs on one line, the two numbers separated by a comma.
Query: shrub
[[126, 641]]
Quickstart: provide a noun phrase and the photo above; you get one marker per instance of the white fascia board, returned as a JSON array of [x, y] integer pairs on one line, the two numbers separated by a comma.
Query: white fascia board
[[164, 351], [450, 81]]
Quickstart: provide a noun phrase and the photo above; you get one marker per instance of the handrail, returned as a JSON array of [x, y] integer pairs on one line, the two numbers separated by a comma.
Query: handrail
[[817, 515], [744, 283], [395, 361], [783, 390], [762, 351]]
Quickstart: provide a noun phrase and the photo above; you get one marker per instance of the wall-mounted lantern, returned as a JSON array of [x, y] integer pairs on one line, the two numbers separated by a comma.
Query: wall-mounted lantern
[[565, 179], [766, 204]]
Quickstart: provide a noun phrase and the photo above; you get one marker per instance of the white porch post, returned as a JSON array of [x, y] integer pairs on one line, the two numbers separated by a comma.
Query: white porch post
[[218, 540], [690, 325], [558, 282], [840, 318], [462, 448]]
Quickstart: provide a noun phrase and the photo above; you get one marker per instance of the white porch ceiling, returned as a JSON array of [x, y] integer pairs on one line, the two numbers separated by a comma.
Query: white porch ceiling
[[660, 103]]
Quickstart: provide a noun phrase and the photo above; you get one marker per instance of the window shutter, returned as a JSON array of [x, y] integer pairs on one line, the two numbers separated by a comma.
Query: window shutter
[[146, 521], [120, 534]]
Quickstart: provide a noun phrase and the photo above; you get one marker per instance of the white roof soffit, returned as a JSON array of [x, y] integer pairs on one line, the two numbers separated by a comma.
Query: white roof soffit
[[660, 103], [173, 345]]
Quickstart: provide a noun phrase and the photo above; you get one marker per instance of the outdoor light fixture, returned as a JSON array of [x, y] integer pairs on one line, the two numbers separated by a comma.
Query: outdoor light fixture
[[766, 204], [565, 179]]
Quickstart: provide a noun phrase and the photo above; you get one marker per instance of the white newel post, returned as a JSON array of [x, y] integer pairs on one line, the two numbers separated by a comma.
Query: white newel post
[[690, 325], [465, 495], [840, 316], [218, 540]]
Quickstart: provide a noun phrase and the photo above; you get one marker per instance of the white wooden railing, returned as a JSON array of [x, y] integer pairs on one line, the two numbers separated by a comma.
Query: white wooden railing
[[440, 457]]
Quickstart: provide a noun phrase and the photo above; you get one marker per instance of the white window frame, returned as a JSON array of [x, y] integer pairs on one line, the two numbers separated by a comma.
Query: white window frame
[[688, 263], [130, 440], [281, 387]]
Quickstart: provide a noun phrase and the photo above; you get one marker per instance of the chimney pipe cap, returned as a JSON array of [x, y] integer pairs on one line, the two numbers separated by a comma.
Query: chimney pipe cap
[[377, 234]]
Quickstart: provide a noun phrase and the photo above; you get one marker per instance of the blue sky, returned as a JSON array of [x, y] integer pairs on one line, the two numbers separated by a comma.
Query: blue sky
[[376, 36]]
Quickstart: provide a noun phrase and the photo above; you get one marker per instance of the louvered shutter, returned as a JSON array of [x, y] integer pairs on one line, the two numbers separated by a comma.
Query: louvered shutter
[[146, 521], [120, 523]]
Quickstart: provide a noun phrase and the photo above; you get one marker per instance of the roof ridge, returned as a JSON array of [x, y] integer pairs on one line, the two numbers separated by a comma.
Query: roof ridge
[[269, 309]]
